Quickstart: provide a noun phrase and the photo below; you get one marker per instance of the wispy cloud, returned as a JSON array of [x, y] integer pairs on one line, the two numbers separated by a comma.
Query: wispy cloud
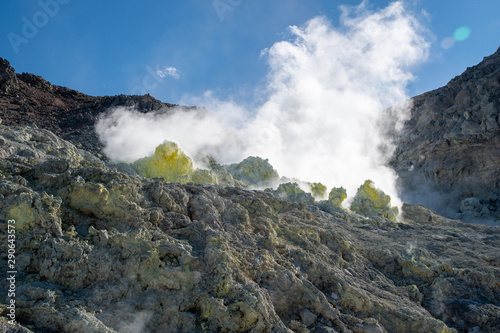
[[168, 71]]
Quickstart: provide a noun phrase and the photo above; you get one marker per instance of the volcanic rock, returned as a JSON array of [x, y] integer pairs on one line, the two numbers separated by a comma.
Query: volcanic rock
[[292, 192], [337, 196], [254, 171], [98, 250], [28, 99], [370, 201], [8, 79], [449, 150]]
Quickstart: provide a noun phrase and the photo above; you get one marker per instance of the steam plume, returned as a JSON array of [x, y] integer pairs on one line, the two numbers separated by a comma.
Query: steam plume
[[325, 91]]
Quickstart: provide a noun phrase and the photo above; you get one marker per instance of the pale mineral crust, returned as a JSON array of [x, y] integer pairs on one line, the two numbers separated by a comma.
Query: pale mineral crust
[[99, 250]]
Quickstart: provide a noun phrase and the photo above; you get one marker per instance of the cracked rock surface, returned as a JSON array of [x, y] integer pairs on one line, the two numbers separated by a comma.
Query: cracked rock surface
[[451, 146], [98, 250]]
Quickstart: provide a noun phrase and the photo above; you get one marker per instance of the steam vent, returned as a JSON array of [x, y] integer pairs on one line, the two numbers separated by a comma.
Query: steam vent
[[179, 243]]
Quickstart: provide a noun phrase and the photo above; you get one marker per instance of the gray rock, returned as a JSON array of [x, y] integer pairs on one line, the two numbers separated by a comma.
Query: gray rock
[[102, 250], [471, 205], [324, 329], [307, 317], [6, 327], [369, 326], [254, 171], [449, 148]]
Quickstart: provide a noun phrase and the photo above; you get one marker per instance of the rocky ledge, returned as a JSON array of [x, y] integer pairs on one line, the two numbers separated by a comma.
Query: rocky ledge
[[448, 155], [98, 250]]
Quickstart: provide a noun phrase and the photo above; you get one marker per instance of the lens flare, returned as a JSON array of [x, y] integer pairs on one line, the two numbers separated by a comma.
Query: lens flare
[[447, 43], [462, 33]]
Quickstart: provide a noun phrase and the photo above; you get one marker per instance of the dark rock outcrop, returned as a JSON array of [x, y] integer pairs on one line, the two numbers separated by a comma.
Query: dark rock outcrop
[[8, 79], [28, 99], [449, 150]]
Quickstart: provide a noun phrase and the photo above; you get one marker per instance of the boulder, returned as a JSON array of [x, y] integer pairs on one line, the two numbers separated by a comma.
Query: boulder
[[293, 193]]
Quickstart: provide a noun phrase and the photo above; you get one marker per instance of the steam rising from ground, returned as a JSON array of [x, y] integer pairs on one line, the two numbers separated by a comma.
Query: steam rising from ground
[[321, 117]]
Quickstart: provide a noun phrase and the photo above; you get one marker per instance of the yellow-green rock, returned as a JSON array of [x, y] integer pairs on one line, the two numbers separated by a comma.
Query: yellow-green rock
[[222, 176], [337, 196], [371, 201], [318, 190], [23, 215], [96, 199], [168, 161], [202, 176], [88, 197], [293, 192], [254, 171]]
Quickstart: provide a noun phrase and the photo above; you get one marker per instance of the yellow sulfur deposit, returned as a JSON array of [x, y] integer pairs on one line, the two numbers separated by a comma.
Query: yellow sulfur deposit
[[23, 215], [371, 201], [254, 171], [318, 190], [203, 176], [168, 161], [337, 196]]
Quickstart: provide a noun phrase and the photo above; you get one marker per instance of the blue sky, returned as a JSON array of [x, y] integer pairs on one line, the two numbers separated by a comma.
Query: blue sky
[[174, 48]]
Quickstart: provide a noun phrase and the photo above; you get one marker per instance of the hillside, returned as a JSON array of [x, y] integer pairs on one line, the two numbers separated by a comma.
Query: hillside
[[99, 250], [28, 99], [448, 157], [102, 251]]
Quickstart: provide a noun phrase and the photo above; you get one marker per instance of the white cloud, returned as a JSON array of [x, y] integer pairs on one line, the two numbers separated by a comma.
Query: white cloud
[[168, 71], [325, 91]]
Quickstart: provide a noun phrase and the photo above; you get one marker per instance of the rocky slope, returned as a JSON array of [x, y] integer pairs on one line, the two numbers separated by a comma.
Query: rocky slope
[[448, 156], [102, 251], [28, 99]]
